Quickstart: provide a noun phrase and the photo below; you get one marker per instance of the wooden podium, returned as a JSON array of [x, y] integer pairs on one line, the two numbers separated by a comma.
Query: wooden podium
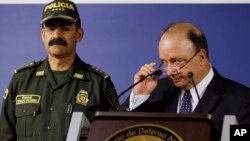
[[144, 126]]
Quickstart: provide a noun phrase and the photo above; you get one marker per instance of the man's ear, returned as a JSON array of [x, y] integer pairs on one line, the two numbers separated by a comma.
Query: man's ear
[[80, 34], [42, 34], [202, 56]]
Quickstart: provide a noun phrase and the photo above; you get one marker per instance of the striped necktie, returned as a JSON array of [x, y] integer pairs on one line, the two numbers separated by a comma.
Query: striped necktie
[[186, 107]]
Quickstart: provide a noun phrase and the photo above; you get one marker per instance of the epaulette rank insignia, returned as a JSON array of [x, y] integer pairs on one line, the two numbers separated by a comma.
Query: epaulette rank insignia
[[102, 73], [29, 65]]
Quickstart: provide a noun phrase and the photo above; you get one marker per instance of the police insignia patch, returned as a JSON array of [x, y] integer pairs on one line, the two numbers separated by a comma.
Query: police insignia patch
[[112, 97], [82, 98], [6, 94]]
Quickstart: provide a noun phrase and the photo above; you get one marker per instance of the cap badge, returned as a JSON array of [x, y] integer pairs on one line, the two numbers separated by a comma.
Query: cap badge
[[59, 5]]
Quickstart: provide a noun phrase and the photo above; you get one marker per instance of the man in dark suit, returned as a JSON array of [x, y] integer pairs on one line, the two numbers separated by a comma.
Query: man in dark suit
[[183, 51]]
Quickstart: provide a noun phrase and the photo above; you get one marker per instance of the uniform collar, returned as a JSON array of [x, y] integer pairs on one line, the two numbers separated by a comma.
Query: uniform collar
[[76, 71]]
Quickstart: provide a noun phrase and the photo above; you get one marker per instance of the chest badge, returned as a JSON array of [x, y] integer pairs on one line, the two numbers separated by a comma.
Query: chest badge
[[82, 98]]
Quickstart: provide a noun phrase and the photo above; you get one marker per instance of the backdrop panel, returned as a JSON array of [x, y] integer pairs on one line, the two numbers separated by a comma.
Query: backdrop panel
[[119, 38]]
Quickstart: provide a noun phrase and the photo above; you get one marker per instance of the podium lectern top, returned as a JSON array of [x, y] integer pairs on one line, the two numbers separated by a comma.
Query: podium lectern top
[[133, 126]]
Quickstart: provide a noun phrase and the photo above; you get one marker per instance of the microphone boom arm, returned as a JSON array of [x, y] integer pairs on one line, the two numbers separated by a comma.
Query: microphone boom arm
[[157, 72]]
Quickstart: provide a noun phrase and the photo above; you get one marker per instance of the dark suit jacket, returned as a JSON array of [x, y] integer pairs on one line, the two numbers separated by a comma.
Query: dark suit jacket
[[222, 97]]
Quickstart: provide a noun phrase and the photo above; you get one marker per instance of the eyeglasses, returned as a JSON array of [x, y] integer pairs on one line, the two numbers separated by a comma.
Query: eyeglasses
[[63, 29], [177, 65]]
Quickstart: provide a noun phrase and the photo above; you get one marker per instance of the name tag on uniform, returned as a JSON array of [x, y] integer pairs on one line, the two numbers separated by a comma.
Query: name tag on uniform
[[27, 99]]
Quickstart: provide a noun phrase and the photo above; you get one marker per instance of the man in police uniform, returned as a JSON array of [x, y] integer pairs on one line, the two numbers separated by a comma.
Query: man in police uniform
[[42, 95]]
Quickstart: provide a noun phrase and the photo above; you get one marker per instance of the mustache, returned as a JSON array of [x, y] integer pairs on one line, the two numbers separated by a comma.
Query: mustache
[[57, 41]]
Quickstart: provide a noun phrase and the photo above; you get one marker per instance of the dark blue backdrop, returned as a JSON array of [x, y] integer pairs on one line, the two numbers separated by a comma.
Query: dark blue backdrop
[[119, 38]]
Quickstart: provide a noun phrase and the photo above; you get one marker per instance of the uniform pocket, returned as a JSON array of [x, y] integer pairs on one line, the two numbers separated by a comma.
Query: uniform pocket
[[25, 115]]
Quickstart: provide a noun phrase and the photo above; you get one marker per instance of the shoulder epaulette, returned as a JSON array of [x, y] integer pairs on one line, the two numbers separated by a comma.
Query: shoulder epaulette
[[100, 72], [26, 66]]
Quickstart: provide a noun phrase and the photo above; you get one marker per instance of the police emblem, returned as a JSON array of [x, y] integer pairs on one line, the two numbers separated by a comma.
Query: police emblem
[[112, 97], [82, 98], [6, 94]]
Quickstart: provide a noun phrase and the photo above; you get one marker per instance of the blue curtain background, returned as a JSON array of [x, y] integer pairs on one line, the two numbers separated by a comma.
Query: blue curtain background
[[119, 38]]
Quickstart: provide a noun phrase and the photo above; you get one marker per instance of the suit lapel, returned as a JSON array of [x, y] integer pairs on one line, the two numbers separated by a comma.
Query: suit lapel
[[211, 96], [172, 100]]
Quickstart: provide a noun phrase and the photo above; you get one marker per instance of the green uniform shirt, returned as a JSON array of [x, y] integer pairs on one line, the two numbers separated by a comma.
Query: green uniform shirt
[[36, 108]]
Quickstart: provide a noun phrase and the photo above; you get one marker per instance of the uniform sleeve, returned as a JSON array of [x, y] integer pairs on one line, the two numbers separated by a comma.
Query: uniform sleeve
[[111, 98], [7, 119]]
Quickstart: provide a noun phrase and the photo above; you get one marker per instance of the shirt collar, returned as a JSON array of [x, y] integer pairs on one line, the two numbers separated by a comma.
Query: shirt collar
[[201, 87]]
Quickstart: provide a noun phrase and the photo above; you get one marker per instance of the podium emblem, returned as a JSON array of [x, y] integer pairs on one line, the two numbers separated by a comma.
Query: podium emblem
[[145, 132]]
